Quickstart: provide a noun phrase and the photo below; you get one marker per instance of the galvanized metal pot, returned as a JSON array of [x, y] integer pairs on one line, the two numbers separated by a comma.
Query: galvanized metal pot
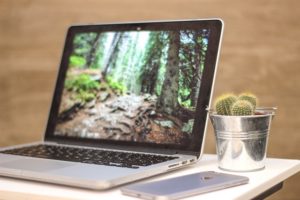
[[241, 141]]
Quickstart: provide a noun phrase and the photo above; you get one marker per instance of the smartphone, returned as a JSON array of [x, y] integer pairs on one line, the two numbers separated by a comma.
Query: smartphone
[[184, 186]]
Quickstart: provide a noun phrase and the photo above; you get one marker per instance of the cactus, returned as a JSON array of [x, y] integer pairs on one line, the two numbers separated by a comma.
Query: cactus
[[249, 97], [224, 103], [242, 107]]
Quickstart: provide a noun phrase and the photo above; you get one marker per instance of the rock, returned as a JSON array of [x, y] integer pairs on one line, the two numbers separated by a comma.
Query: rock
[[92, 135], [149, 97], [91, 104], [126, 103], [93, 111], [96, 77], [103, 88], [88, 123], [130, 115], [152, 113], [81, 132], [165, 123], [104, 96], [69, 113], [188, 126]]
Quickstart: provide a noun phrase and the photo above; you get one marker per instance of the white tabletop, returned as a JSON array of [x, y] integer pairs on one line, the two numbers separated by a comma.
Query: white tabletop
[[276, 171]]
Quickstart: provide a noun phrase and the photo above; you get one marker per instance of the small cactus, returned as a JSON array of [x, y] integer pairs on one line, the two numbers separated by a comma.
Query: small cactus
[[249, 97], [242, 107], [224, 103]]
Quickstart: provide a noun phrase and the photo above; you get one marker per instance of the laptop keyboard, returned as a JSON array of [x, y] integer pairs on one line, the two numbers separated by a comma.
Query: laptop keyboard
[[91, 156]]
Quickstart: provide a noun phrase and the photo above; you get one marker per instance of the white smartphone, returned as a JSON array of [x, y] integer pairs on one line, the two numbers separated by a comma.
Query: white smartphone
[[184, 186]]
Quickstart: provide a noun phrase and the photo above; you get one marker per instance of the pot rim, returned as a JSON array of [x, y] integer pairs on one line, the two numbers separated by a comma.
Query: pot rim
[[263, 112]]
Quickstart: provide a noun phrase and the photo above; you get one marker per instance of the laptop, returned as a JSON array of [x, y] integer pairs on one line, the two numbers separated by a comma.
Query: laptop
[[129, 103]]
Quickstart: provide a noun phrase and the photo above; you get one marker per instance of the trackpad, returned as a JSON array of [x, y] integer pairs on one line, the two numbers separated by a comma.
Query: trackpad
[[39, 165]]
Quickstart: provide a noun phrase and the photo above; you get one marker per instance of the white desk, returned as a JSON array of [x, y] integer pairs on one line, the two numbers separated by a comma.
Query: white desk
[[270, 179]]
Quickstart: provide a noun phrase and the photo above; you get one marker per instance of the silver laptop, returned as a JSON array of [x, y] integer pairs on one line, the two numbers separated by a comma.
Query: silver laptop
[[130, 102]]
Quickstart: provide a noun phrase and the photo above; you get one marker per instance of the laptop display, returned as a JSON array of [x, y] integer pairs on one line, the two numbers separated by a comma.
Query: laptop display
[[133, 85]]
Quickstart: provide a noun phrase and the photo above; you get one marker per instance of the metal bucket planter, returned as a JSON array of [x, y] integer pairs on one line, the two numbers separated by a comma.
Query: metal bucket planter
[[241, 141]]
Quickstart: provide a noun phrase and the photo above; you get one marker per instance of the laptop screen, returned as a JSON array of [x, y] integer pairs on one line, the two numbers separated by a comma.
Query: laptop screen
[[136, 85]]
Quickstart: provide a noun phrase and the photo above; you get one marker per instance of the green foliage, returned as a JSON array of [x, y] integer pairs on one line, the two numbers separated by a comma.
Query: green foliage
[[115, 85], [249, 97], [83, 86], [83, 42], [186, 104], [98, 61], [183, 97], [82, 82], [224, 103], [188, 126], [77, 61], [242, 107], [85, 96]]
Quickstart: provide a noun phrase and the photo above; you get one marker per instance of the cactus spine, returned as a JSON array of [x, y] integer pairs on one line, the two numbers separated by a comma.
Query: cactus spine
[[224, 103], [249, 97], [242, 107]]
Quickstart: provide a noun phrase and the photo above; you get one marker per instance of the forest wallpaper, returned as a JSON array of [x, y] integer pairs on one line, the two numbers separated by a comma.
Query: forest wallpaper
[[134, 85]]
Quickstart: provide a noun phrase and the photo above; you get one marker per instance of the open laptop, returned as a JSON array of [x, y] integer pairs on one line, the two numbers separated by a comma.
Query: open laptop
[[129, 103]]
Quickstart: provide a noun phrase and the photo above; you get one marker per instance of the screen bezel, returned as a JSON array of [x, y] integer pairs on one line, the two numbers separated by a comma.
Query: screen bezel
[[215, 27]]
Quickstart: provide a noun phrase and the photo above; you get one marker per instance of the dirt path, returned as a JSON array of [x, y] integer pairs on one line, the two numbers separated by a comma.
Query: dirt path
[[128, 117]]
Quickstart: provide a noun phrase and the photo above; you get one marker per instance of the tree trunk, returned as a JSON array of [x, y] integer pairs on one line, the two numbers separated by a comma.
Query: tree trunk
[[129, 74], [168, 99], [196, 79], [150, 75], [90, 58], [150, 78], [112, 53]]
